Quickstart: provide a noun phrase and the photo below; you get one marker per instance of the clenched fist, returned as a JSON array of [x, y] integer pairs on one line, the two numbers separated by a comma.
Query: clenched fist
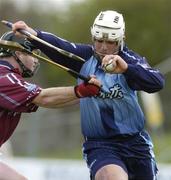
[[114, 64]]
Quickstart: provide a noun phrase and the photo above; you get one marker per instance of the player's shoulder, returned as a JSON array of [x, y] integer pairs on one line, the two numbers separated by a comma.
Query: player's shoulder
[[9, 76], [131, 56]]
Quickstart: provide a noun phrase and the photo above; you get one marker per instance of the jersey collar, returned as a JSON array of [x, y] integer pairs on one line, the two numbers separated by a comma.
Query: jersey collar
[[9, 66]]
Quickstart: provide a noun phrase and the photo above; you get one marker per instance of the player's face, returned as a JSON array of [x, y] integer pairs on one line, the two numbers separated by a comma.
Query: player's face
[[29, 62], [104, 47]]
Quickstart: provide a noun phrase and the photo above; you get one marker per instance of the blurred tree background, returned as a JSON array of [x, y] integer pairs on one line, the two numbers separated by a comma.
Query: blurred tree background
[[56, 133]]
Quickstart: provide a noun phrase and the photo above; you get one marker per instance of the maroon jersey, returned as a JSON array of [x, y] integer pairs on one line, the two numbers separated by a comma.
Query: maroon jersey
[[16, 96]]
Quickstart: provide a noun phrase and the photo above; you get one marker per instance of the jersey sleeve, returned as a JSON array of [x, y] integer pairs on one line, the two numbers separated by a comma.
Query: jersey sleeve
[[140, 75], [16, 94], [83, 50]]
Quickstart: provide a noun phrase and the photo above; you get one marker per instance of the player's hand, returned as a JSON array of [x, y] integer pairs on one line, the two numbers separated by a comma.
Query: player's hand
[[114, 64], [88, 89], [22, 25]]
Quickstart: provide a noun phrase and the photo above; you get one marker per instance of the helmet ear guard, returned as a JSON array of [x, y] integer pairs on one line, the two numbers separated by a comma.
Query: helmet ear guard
[[109, 25]]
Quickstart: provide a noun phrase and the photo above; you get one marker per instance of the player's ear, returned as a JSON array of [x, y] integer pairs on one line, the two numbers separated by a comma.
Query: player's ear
[[18, 53]]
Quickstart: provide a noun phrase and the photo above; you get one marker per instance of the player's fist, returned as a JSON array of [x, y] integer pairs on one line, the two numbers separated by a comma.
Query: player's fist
[[88, 89], [114, 64], [22, 25], [110, 66]]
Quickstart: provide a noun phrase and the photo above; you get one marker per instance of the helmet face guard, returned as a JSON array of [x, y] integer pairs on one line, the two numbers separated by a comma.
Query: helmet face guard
[[109, 26], [10, 36], [26, 72]]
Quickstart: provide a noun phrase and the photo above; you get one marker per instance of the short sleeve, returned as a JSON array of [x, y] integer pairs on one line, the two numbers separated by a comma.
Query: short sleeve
[[16, 94]]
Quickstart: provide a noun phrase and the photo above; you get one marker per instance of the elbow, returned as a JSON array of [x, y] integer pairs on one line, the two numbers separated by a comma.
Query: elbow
[[160, 85], [157, 87]]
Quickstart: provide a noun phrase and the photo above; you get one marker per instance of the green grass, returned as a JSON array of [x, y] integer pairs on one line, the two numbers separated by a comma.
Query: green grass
[[162, 147], [74, 154]]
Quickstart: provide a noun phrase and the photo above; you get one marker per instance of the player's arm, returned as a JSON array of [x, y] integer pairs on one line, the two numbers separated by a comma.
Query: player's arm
[[82, 50], [138, 73], [140, 76], [55, 97], [62, 96]]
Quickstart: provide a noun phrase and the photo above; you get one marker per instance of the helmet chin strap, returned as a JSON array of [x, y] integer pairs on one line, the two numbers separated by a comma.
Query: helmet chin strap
[[26, 73]]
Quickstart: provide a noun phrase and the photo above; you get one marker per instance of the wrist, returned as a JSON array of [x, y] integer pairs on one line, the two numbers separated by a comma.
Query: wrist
[[86, 90], [77, 93]]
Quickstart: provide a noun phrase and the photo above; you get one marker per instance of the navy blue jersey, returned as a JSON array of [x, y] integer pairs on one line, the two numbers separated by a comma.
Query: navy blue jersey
[[116, 110]]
